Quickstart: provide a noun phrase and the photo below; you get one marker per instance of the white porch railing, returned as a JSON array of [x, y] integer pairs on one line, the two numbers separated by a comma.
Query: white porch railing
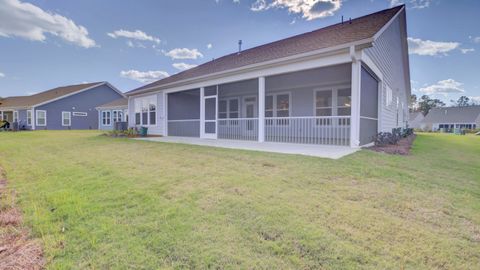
[[184, 128], [329, 130], [238, 129]]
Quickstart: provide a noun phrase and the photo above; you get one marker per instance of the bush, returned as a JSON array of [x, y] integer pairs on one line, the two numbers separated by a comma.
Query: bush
[[131, 132], [386, 138]]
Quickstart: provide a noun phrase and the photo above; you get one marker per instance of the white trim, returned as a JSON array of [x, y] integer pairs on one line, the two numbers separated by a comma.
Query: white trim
[[29, 123], [261, 109], [334, 91], [36, 118], [205, 134], [80, 114], [109, 118], [113, 115], [15, 116], [69, 119], [369, 118], [380, 32], [355, 106], [274, 108]]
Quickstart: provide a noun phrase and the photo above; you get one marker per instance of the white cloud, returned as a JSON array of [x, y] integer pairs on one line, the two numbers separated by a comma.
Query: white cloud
[[209, 46], [2, 75], [419, 4], [431, 48], [183, 66], [144, 76], [309, 9], [475, 39], [465, 51], [184, 53], [31, 22], [443, 87], [137, 34], [475, 99]]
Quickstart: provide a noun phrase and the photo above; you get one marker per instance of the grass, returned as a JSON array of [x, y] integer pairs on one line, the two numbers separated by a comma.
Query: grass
[[99, 203]]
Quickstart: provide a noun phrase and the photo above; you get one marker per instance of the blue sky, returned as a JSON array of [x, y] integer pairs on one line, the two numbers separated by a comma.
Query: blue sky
[[44, 44]]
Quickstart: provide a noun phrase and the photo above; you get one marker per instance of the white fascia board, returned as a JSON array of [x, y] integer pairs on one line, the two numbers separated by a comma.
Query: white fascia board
[[259, 66], [71, 94]]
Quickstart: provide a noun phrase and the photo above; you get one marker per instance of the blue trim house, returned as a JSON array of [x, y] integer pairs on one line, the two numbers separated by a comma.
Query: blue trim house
[[112, 112], [66, 107]]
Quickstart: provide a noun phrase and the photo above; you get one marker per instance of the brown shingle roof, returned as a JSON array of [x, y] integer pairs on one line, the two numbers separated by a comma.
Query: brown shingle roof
[[28, 101], [338, 34], [121, 102]]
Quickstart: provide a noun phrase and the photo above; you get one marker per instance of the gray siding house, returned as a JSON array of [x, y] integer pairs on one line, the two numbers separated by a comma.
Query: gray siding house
[[338, 85], [112, 112], [415, 120], [66, 107], [450, 118]]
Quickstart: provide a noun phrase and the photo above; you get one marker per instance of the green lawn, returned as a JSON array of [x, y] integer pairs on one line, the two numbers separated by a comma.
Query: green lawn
[[99, 203]]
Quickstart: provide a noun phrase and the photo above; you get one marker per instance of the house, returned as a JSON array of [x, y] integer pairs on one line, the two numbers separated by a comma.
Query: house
[[338, 85], [415, 120], [112, 112], [450, 118], [66, 107]]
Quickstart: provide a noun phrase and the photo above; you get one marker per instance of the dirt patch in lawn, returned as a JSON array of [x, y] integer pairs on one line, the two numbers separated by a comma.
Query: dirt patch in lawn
[[401, 148], [17, 249]]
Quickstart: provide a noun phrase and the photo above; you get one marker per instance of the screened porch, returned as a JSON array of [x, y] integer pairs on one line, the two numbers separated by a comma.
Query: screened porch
[[307, 107]]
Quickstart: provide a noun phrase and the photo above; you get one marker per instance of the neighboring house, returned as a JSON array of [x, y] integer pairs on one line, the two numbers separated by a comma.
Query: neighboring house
[[447, 119], [66, 107], [112, 112], [415, 120], [337, 85]]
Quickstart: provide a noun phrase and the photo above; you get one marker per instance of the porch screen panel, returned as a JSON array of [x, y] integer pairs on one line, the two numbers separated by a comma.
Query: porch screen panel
[[183, 113], [368, 107]]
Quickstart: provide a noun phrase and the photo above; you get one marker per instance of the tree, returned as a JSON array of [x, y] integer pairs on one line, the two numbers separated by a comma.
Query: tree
[[426, 104], [462, 101], [413, 103]]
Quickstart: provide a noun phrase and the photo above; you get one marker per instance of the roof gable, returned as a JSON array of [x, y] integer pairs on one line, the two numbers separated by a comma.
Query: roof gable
[[448, 115], [47, 96], [356, 30]]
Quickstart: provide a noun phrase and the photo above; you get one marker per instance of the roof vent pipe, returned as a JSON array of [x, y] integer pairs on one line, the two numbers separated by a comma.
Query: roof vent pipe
[[239, 46]]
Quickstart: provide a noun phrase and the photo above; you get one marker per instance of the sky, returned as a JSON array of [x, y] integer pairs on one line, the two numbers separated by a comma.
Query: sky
[[50, 43]]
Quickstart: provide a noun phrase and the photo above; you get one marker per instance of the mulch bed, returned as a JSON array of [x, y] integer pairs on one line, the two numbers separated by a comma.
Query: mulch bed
[[17, 248], [401, 148]]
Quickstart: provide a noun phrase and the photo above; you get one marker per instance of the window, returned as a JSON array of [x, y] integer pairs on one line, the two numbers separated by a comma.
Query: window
[[29, 118], [146, 110], [277, 105], [333, 102], [229, 108], [80, 114], [15, 116], [117, 116], [66, 119], [106, 118], [41, 118]]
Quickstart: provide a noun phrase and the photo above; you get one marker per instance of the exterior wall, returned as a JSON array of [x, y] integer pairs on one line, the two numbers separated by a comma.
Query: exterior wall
[[417, 122], [22, 119], [368, 107], [388, 55], [158, 128], [85, 101]]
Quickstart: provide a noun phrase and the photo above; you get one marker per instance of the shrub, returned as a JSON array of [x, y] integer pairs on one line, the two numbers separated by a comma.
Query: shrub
[[386, 138]]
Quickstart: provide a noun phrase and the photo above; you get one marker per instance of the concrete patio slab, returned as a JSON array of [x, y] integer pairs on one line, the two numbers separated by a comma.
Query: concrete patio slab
[[323, 151]]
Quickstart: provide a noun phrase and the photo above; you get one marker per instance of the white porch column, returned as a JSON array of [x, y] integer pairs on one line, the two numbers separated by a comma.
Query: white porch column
[[1, 115], [202, 112], [33, 118], [355, 106], [261, 109]]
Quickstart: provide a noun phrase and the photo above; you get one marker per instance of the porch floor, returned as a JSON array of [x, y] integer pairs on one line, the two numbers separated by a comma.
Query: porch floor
[[323, 151]]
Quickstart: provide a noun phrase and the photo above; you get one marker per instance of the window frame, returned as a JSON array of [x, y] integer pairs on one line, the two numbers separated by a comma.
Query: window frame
[[116, 117], [37, 117], [15, 116], [334, 107], [274, 105], [228, 112], [69, 119], [139, 106], [109, 118], [29, 117]]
